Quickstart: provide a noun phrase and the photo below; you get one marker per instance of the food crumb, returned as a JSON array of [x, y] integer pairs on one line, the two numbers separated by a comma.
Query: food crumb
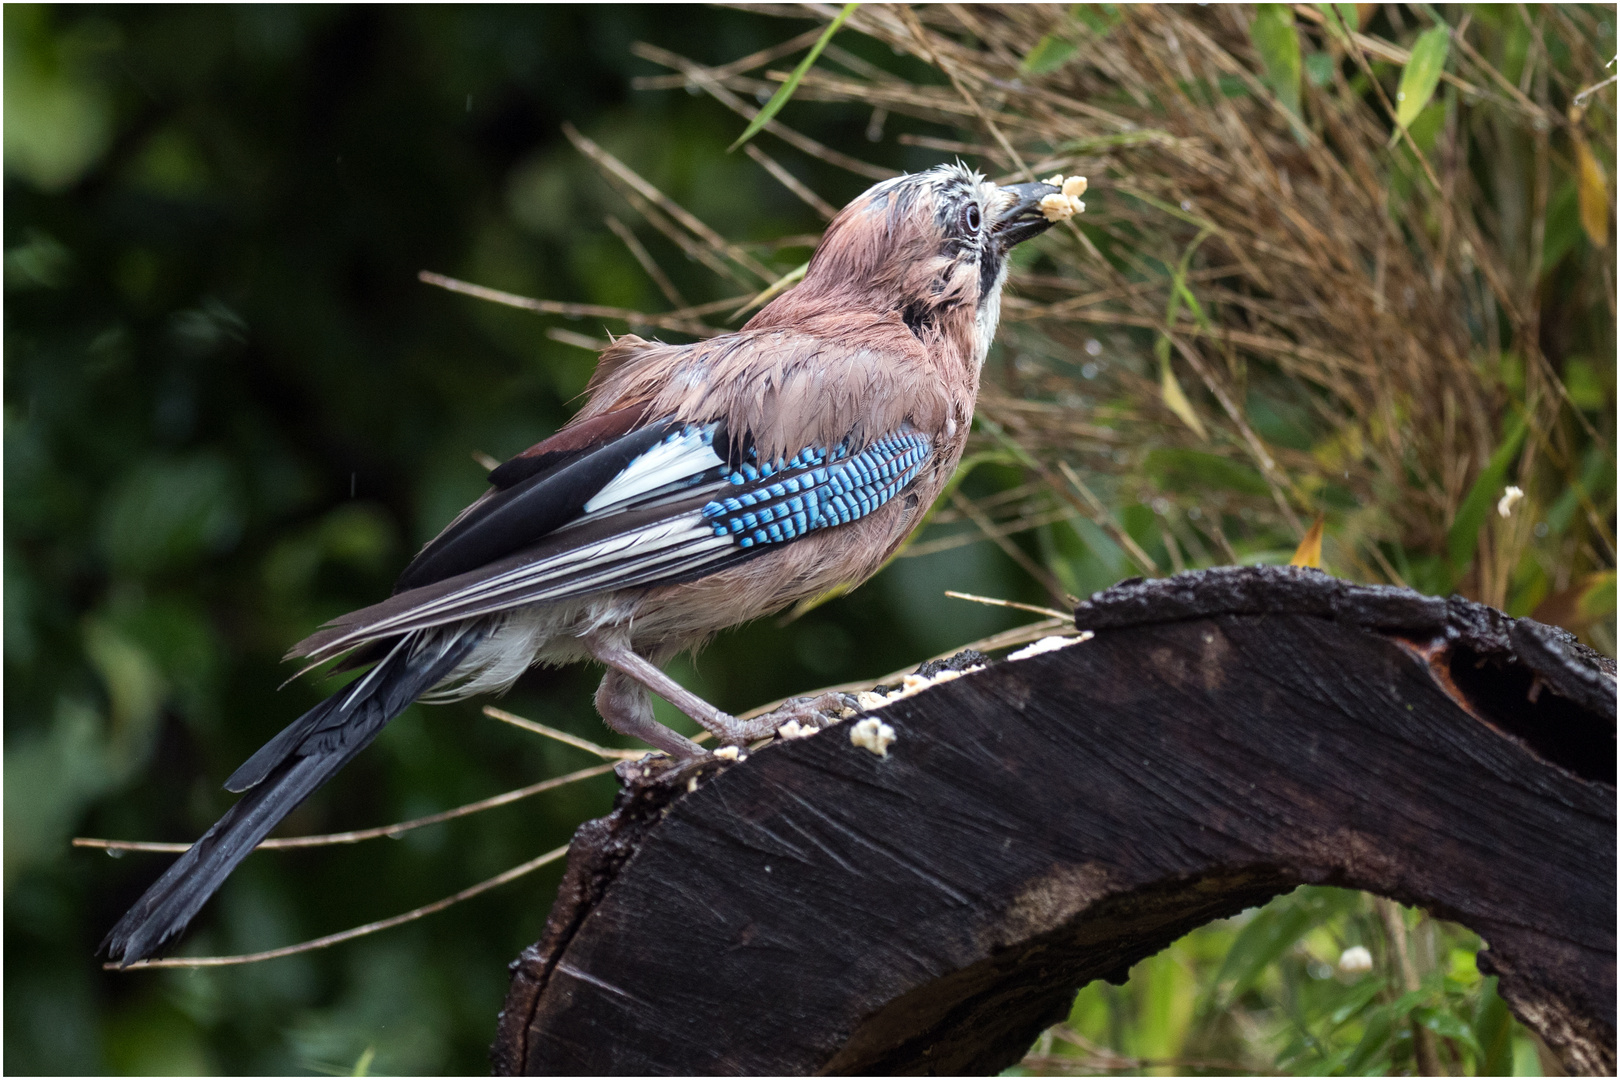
[[867, 700], [729, 753], [874, 735], [795, 730], [1356, 960], [691, 785], [1065, 202], [1050, 644]]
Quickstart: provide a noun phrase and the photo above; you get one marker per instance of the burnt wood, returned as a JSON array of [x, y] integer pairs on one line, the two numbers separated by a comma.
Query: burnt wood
[[1226, 736]]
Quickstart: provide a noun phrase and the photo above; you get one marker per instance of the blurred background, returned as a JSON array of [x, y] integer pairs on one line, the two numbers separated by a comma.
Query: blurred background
[[232, 411]]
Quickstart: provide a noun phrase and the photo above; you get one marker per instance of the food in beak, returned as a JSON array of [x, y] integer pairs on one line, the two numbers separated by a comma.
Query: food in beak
[[1065, 202]]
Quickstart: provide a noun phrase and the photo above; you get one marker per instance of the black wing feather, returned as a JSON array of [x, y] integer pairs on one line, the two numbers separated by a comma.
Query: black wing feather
[[520, 514]]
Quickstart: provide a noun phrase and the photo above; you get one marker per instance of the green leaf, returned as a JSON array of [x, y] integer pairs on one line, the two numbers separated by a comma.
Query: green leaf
[[1407, 1003], [1277, 42], [1098, 18], [1463, 539], [1597, 599], [1422, 74], [1360, 995], [1493, 1033], [1175, 399], [1563, 226], [1594, 193], [1374, 1039], [1319, 68], [1334, 12], [1586, 388], [1049, 54], [780, 98], [1267, 936], [1448, 1025]]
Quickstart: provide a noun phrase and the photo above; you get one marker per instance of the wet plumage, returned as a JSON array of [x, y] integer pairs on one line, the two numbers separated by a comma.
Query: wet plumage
[[700, 486]]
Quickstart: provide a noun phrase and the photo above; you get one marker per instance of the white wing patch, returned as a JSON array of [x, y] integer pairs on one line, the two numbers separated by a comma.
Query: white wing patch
[[682, 456]]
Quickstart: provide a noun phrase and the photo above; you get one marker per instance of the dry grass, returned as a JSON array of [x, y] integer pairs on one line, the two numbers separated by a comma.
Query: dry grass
[[1266, 316]]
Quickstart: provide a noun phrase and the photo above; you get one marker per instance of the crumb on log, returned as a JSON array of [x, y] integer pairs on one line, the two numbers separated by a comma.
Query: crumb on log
[[1227, 736]]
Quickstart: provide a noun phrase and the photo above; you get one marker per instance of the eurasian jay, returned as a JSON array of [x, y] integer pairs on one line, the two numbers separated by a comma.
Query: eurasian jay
[[701, 486]]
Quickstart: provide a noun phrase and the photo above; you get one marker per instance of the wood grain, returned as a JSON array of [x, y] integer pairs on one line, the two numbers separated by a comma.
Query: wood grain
[[1225, 737]]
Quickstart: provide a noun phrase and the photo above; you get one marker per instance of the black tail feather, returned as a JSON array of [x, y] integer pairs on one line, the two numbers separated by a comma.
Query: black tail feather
[[284, 773]]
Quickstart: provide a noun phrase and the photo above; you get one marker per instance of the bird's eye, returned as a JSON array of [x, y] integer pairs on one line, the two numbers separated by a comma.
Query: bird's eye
[[970, 218]]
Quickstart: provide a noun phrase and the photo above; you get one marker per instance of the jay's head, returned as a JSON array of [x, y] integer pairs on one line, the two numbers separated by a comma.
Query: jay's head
[[930, 246]]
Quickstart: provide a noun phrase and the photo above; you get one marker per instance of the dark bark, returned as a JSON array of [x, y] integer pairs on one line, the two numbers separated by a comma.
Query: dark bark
[[1226, 736]]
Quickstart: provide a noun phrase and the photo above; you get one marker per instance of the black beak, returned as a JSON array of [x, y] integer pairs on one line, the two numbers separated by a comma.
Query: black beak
[[1021, 218]]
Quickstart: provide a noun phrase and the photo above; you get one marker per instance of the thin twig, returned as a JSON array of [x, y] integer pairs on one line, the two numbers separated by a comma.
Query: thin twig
[[568, 310], [1100, 516], [736, 67], [1053, 587], [702, 78], [821, 206], [915, 26], [648, 263], [678, 236], [993, 602], [1580, 99], [348, 935], [562, 736], [578, 341], [287, 843], [1012, 528], [647, 191]]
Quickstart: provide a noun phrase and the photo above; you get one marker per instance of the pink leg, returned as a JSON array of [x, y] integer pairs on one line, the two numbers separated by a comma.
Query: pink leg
[[627, 709], [726, 728]]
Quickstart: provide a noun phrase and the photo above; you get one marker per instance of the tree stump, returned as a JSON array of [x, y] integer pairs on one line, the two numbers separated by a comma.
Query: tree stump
[[1226, 736]]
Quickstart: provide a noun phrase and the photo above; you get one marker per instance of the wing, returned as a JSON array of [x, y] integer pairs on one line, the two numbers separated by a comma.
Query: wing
[[655, 505]]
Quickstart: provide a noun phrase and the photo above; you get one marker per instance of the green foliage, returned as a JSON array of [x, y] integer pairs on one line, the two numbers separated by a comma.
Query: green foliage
[[1279, 989], [780, 98], [1049, 54], [1278, 45], [232, 412], [1421, 74]]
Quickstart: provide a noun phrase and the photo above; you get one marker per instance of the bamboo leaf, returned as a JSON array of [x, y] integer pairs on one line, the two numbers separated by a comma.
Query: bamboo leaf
[[1447, 1025], [1309, 552], [1277, 42], [780, 98], [1374, 1039], [1174, 397], [1359, 997], [1049, 54], [1422, 74], [1592, 190], [1334, 12]]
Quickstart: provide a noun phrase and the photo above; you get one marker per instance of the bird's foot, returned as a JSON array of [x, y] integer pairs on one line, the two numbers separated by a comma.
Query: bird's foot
[[798, 717]]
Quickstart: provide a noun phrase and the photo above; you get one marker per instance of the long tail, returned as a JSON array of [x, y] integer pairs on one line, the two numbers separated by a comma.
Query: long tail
[[283, 774]]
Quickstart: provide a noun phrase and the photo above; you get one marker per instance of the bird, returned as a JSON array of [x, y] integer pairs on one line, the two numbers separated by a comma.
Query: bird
[[700, 486]]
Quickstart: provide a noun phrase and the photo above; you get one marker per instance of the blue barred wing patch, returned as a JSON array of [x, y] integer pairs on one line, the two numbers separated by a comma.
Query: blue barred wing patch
[[816, 489]]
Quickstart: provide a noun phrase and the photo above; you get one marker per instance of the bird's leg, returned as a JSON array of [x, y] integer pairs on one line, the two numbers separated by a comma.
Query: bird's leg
[[726, 728], [627, 709]]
